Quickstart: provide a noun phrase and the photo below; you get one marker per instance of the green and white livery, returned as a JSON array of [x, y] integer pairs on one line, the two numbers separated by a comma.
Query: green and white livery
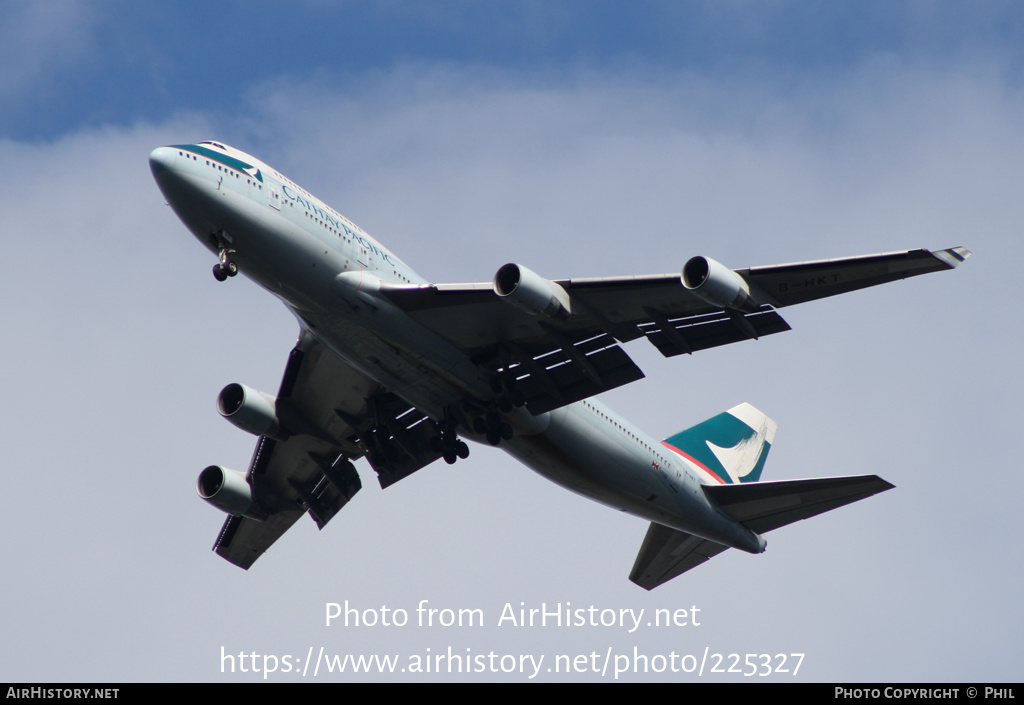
[[728, 448], [402, 372]]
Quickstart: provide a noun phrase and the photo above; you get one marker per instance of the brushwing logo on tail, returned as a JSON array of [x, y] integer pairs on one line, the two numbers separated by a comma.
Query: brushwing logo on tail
[[731, 447]]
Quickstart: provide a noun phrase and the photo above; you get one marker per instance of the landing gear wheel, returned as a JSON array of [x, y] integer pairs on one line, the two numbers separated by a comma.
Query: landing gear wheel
[[225, 266], [447, 441]]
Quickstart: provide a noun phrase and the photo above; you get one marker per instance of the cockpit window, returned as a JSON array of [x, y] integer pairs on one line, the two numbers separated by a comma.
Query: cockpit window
[[216, 144]]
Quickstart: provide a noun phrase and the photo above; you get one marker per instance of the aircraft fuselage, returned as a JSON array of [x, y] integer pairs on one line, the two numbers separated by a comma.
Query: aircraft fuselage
[[329, 273]]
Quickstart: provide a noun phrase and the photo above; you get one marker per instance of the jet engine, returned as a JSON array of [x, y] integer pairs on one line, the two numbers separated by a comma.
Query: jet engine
[[229, 492], [531, 292], [249, 410], [717, 284]]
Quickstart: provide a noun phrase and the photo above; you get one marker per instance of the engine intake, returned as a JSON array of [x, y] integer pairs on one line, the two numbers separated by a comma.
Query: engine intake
[[531, 292], [717, 284], [249, 410], [229, 492]]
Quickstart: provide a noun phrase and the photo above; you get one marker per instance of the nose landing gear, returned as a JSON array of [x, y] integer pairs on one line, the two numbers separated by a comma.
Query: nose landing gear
[[226, 267], [224, 270]]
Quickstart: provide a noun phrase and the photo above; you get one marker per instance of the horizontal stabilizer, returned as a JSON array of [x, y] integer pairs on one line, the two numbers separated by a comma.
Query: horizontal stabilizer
[[764, 506], [667, 553], [760, 506]]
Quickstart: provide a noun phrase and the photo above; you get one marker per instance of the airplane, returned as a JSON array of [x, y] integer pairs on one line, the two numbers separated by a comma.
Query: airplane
[[401, 371]]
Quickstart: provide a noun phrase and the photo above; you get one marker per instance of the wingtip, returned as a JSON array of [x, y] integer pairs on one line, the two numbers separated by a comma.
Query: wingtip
[[953, 256]]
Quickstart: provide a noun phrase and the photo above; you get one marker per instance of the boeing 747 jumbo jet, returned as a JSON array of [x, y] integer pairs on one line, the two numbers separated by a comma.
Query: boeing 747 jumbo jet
[[391, 367]]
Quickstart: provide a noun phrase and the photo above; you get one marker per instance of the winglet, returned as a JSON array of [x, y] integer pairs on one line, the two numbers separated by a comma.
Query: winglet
[[952, 256]]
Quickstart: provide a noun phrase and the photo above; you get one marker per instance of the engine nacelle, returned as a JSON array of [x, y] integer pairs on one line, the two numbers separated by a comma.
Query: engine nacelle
[[531, 292], [249, 410], [717, 284], [229, 492]]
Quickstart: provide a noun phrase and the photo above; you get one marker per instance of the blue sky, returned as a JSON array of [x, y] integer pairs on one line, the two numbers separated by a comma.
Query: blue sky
[[580, 139], [70, 62]]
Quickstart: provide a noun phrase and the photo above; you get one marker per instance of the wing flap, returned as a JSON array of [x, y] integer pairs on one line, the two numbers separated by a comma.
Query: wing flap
[[402, 441], [242, 540], [289, 478], [569, 373], [692, 333]]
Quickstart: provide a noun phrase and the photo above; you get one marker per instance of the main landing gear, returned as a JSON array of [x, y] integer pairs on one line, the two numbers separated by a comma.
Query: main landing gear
[[451, 446], [447, 442], [503, 384], [491, 426]]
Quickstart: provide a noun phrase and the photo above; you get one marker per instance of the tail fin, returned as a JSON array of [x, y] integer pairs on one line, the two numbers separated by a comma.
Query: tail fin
[[729, 448]]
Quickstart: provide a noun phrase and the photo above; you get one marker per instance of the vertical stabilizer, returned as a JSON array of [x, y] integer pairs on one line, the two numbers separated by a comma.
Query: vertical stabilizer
[[729, 448]]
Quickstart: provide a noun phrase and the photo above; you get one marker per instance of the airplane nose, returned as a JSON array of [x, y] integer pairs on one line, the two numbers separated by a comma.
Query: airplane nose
[[167, 164], [161, 161]]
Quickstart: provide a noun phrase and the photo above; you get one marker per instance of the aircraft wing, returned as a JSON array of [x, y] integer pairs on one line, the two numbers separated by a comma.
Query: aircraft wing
[[558, 341], [332, 414]]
